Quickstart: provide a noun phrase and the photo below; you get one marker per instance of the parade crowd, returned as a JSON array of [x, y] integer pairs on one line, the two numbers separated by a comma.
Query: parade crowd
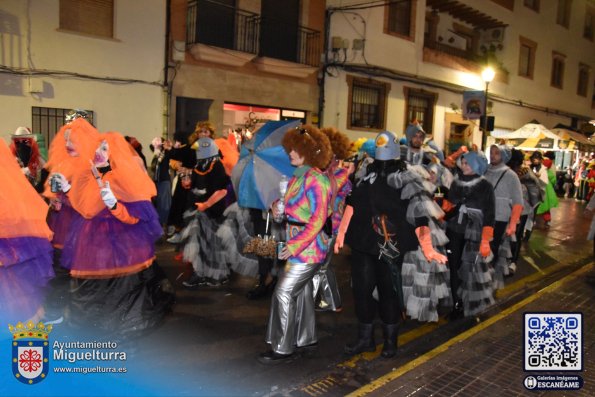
[[426, 232]]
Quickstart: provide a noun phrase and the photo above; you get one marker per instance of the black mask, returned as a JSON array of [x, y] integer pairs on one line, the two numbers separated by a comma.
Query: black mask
[[23, 152], [204, 164]]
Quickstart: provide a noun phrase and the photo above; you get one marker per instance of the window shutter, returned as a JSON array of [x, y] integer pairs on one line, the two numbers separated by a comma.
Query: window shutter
[[93, 17]]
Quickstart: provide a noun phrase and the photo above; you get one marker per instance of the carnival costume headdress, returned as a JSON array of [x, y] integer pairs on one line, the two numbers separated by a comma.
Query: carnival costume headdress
[[309, 143], [387, 146]]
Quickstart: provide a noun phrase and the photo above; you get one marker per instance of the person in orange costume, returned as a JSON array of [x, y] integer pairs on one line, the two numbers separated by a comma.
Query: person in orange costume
[[25, 250], [116, 287]]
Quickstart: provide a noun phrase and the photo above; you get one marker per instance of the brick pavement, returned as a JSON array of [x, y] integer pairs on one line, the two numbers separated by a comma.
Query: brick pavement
[[489, 360]]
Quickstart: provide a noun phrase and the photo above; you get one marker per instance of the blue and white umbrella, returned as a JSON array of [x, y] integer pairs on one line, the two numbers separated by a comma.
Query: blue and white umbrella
[[262, 164]]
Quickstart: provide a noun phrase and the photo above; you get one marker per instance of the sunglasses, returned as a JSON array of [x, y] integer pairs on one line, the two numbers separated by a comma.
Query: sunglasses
[[304, 131]]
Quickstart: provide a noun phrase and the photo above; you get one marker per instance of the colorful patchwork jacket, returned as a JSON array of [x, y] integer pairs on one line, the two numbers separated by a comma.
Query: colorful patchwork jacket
[[344, 187], [307, 208]]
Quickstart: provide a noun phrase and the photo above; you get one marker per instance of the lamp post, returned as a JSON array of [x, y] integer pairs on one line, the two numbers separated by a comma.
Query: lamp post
[[487, 75]]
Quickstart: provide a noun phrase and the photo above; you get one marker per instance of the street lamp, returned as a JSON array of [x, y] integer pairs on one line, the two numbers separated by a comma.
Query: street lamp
[[487, 75]]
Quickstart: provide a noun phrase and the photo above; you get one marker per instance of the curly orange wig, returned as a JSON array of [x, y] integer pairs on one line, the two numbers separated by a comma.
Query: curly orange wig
[[340, 143], [309, 143], [207, 125]]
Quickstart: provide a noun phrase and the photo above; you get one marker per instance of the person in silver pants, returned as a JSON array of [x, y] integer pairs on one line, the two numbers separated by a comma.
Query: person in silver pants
[[292, 320]]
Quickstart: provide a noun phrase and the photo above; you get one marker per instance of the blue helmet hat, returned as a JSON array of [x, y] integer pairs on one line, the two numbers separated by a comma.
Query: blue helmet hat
[[477, 161], [439, 153], [387, 146], [505, 153], [207, 148], [413, 129]]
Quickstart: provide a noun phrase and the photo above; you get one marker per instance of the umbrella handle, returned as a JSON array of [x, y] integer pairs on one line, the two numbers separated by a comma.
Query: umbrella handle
[[266, 229]]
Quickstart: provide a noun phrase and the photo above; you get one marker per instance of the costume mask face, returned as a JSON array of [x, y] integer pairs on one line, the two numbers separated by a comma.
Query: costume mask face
[[23, 147], [100, 159], [70, 145]]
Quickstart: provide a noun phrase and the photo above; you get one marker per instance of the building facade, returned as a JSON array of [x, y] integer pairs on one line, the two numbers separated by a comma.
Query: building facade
[[106, 57], [388, 64], [241, 63]]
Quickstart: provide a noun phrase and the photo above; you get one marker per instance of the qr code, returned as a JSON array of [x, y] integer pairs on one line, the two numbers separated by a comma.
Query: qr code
[[553, 341]]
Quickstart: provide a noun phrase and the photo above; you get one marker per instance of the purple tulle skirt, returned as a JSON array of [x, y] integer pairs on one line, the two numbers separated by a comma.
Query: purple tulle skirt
[[59, 223], [24, 274], [106, 247]]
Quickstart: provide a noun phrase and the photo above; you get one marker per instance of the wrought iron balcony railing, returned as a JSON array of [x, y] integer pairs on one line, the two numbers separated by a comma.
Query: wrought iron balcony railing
[[219, 25], [458, 52], [308, 46]]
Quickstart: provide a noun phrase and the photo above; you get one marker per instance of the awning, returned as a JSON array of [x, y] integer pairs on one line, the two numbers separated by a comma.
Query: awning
[[566, 134], [567, 145], [538, 142], [532, 135]]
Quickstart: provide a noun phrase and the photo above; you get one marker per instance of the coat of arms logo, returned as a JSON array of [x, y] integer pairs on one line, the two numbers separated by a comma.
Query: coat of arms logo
[[30, 351]]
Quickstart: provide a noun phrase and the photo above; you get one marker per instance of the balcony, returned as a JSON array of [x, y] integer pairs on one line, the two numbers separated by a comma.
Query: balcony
[[461, 37], [227, 35], [222, 34]]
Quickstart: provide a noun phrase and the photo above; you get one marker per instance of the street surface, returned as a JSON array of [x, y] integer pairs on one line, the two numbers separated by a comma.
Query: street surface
[[211, 340]]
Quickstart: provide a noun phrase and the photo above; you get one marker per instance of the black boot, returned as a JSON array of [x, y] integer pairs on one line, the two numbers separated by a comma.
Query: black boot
[[457, 311], [391, 333], [262, 289], [365, 340]]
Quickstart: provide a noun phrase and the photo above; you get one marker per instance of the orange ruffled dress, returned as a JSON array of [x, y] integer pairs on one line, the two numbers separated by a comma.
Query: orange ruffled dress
[[110, 253], [25, 250]]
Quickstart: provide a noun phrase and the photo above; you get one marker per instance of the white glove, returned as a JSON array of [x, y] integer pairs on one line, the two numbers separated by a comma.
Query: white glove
[[26, 171], [108, 196], [64, 185], [199, 192]]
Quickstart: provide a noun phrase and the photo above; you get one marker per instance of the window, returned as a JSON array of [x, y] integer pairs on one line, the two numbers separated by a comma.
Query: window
[[526, 57], [367, 103], [557, 70], [532, 4], [583, 79], [48, 121], [563, 15], [399, 19], [92, 17], [589, 24], [419, 105]]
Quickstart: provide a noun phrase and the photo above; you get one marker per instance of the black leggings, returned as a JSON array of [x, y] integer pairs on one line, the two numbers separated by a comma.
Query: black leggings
[[499, 230], [456, 244], [520, 231], [367, 273]]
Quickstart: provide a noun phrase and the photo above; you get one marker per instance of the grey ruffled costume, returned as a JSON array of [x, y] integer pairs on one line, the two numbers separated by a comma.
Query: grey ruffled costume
[[425, 284], [476, 273], [214, 248]]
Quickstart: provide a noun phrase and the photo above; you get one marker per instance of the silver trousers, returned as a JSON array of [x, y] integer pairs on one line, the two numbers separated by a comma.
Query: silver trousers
[[292, 320], [326, 289]]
